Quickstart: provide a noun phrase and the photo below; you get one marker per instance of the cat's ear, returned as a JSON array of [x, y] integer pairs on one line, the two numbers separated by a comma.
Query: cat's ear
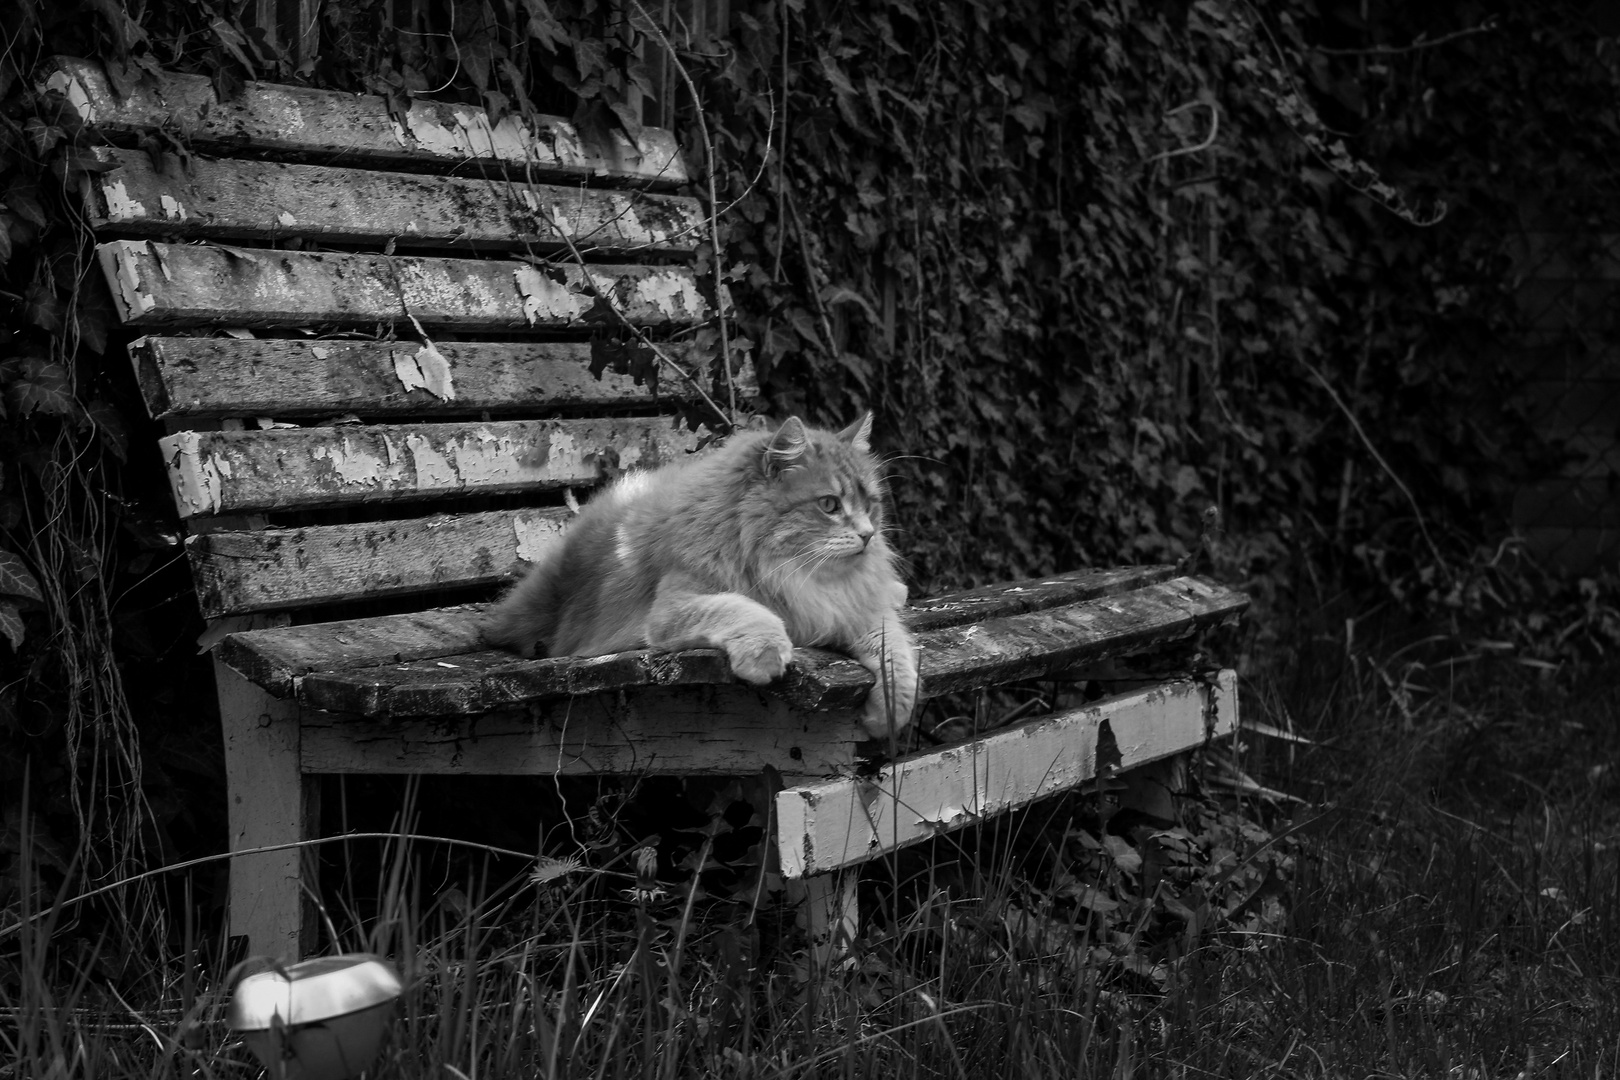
[[787, 446], [859, 434]]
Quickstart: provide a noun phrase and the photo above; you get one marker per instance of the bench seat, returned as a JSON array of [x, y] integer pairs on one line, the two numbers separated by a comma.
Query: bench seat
[[432, 662]]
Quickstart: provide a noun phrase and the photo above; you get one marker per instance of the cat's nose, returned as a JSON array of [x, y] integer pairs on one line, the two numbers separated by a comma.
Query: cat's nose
[[863, 529]]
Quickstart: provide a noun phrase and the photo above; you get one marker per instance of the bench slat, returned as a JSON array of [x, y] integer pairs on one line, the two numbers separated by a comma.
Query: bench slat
[[497, 679], [263, 200], [829, 824], [355, 129], [1032, 644], [196, 377], [276, 657], [235, 472], [494, 679], [1045, 642], [727, 730], [1018, 597], [273, 569], [168, 284]]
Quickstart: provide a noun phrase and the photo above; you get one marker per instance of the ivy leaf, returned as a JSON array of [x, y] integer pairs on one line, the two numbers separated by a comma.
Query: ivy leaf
[[11, 624], [42, 386], [590, 59], [109, 425], [22, 199], [625, 358], [543, 25], [233, 42], [476, 56], [44, 136], [16, 579], [629, 118], [42, 308], [93, 316]]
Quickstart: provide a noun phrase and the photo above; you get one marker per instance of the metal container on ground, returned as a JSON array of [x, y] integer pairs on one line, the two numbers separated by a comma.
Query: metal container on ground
[[321, 1019]]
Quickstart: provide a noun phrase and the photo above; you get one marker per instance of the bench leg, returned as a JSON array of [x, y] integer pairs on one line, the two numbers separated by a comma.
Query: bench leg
[[270, 802], [1150, 789], [829, 915]]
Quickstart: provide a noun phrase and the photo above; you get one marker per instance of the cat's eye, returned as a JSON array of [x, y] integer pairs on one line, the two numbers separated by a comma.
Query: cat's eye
[[829, 504]]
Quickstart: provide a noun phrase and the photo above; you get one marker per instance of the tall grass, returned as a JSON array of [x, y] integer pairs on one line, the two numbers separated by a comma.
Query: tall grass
[[1445, 901]]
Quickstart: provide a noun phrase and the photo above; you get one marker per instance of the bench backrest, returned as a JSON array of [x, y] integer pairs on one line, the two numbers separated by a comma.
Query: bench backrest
[[355, 320]]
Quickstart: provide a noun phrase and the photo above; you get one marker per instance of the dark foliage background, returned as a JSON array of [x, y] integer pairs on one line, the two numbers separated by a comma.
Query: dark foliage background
[[1097, 267]]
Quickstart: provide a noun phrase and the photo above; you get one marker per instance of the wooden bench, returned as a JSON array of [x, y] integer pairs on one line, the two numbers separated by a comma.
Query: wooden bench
[[370, 400]]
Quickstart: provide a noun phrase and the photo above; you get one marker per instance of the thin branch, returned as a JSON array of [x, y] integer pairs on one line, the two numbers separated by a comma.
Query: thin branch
[[1366, 441], [1214, 130], [1420, 44]]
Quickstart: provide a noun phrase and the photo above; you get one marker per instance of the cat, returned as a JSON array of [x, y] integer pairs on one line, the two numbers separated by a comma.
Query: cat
[[773, 540]]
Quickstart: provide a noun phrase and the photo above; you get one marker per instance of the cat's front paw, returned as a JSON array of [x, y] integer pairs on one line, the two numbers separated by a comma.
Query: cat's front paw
[[885, 713], [759, 658]]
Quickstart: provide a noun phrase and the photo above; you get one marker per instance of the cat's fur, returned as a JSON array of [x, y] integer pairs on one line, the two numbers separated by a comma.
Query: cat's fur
[[771, 541]]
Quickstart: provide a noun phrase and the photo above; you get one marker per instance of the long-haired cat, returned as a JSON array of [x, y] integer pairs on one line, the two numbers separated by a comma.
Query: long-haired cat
[[771, 541]]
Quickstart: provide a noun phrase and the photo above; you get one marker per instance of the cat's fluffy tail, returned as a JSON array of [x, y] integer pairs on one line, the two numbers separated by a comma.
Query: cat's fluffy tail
[[525, 619]]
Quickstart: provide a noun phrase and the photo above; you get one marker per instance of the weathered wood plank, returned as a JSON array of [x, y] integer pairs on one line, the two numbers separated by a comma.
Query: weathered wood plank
[[325, 125], [1039, 643], [160, 285], [1032, 645], [274, 569], [1035, 594], [234, 472], [276, 658], [197, 377], [828, 824], [272, 200], [711, 730], [490, 680]]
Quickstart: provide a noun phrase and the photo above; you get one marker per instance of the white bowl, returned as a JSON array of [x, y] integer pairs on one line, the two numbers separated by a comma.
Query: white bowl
[[321, 1019]]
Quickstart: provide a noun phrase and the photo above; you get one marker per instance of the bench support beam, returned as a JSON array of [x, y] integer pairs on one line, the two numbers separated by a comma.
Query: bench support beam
[[270, 803]]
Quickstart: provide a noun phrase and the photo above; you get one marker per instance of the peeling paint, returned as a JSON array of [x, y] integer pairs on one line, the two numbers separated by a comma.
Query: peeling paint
[[286, 220], [195, 479], [435, 372], [433, 469], [482, 458], [353, 465], [134, 299], [534, 535], [120, 207], [543, 297], [173, 210], [675, 295]]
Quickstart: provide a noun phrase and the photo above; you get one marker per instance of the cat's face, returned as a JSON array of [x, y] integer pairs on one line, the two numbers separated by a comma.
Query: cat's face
[[824, 494]]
